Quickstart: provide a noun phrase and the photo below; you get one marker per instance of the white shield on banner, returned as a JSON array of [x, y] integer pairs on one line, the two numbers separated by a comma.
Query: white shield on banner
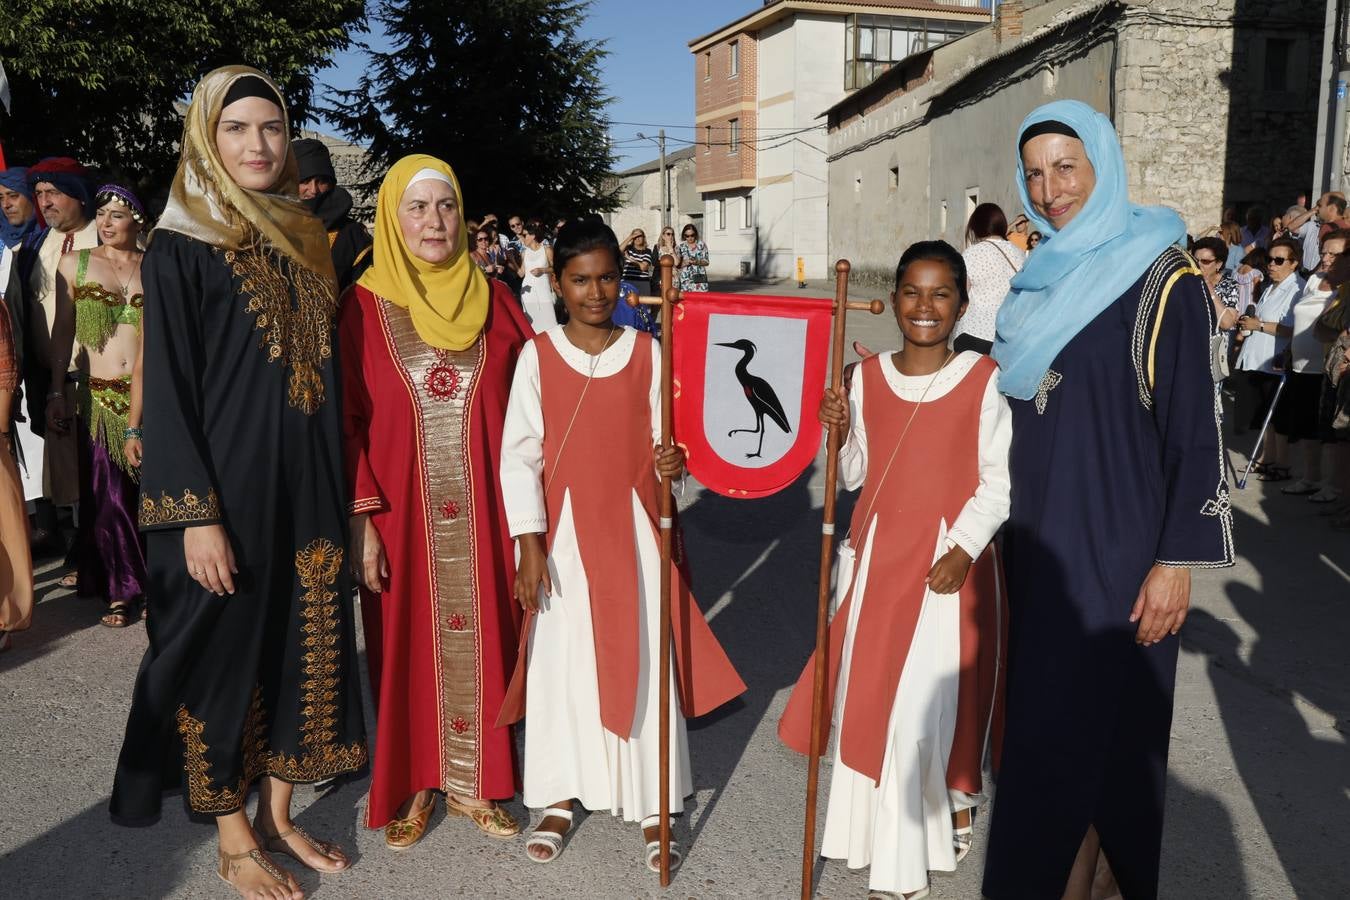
[[753, 387], [749, 372]]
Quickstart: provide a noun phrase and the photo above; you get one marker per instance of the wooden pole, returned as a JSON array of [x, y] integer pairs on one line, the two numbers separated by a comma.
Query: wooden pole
[[836, 438], [669, 296]]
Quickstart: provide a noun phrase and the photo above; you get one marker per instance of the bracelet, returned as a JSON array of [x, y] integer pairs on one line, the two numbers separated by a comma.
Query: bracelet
[[55, 395], [129, 433]]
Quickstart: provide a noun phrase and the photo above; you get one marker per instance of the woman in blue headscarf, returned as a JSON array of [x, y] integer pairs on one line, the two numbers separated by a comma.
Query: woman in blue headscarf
[[1118, 491]]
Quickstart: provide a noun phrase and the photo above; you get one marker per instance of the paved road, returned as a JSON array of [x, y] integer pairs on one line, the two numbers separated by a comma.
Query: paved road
[[1259, 796]]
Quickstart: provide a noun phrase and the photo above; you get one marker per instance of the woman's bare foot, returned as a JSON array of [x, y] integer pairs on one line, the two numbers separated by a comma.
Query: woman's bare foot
[[288, 838], [256, 877], [244, 865]]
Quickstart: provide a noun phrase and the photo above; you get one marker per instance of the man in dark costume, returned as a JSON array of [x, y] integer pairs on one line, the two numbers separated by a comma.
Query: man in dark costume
[[319, 189]]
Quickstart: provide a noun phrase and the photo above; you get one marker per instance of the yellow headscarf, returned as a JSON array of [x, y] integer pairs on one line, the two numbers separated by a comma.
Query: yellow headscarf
[[448, 302], [205, 202]]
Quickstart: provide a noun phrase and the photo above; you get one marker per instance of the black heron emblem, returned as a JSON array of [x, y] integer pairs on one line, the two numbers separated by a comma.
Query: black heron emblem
[[760, 394]]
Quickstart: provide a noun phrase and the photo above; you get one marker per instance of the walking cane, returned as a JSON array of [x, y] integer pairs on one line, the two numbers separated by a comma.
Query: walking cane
[[836, 439], [669, 297], [1251, 460]]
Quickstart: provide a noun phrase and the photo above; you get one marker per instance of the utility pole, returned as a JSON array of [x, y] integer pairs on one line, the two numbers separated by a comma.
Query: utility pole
[[665, 183], [1331, 114]]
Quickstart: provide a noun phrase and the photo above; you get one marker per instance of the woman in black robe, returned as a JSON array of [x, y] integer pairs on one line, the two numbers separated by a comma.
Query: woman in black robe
[[1118, 491], [251, 671]]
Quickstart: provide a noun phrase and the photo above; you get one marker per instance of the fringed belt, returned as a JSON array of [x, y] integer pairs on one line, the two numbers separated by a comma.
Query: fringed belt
[[108, 404]]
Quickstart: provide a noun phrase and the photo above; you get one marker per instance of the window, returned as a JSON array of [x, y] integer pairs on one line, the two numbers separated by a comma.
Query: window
[[872, 44], [972, 201], [734, 136], [735, 66], [707, 138], [707, 65], [747, 217], [1276, 75], [721, 213], [895, 178]]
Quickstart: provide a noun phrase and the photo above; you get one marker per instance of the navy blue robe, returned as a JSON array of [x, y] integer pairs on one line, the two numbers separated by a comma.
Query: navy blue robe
[[1116, 466]]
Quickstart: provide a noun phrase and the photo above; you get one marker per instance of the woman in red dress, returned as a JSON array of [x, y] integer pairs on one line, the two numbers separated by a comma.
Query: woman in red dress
[[429, 346]]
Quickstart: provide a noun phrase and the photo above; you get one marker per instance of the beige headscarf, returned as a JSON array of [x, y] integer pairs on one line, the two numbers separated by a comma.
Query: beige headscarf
[[206, 203]]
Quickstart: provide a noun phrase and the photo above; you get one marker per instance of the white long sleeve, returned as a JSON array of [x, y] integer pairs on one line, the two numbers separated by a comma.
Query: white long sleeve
[[654, 398], [522, 463], [986, 511], [853, 455]]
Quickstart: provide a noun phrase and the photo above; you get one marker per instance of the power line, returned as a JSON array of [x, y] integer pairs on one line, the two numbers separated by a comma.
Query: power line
[[781, 128]]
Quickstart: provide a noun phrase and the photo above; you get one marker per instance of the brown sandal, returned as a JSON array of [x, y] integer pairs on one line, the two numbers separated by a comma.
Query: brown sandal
[[277, 844], [259, 859], [400, 834]]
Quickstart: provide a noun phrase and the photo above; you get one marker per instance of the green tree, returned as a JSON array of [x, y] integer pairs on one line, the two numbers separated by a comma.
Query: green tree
[[506, 91], [103, 80]]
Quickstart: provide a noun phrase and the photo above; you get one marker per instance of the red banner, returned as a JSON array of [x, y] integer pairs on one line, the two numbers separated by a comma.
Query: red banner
[[749, 374]]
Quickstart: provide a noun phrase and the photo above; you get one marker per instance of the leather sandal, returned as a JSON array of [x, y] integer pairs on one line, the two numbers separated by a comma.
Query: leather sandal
[[259, 859], [654, 847], [277, 844], [119, 615], [400, 834], [491, 820], [551, 840]]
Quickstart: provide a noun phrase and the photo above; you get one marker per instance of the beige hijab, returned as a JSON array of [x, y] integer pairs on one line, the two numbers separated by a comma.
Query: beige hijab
[[205, 202]]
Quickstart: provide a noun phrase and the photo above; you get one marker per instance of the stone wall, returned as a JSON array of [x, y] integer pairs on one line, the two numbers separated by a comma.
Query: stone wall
[[1208, 116]]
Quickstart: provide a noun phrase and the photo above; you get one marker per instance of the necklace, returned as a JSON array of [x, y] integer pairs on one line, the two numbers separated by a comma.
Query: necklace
[[117, 276]]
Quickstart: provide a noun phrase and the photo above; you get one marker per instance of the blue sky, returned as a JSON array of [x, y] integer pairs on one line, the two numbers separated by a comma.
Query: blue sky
[[649, 72]]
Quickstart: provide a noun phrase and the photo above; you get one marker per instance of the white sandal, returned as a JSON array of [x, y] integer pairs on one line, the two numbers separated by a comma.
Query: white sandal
[[963, 839], [550, 839], [654, 847]]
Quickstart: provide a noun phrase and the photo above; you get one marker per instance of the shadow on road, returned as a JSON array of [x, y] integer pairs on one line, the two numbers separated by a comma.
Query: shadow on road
[[754, 568], [1293, 759]]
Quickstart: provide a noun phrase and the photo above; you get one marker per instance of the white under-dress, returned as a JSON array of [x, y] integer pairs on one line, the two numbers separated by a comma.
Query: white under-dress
[[901, 826], [568, 752]]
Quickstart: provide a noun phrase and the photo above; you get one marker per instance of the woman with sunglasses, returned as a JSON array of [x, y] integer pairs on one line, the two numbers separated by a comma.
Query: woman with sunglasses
[[1211, 253], [665, 246], [1263, 346], [692, 261], [488, 255]]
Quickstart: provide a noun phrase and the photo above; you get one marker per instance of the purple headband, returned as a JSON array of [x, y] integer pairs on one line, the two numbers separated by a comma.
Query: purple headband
[[121, 195]]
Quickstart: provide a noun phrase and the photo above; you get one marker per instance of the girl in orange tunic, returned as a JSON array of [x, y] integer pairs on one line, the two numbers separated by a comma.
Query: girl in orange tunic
[[579, 482], [921, 623]]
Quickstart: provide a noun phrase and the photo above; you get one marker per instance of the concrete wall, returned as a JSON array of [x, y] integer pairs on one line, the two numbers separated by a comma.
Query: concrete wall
[[870, 220]]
